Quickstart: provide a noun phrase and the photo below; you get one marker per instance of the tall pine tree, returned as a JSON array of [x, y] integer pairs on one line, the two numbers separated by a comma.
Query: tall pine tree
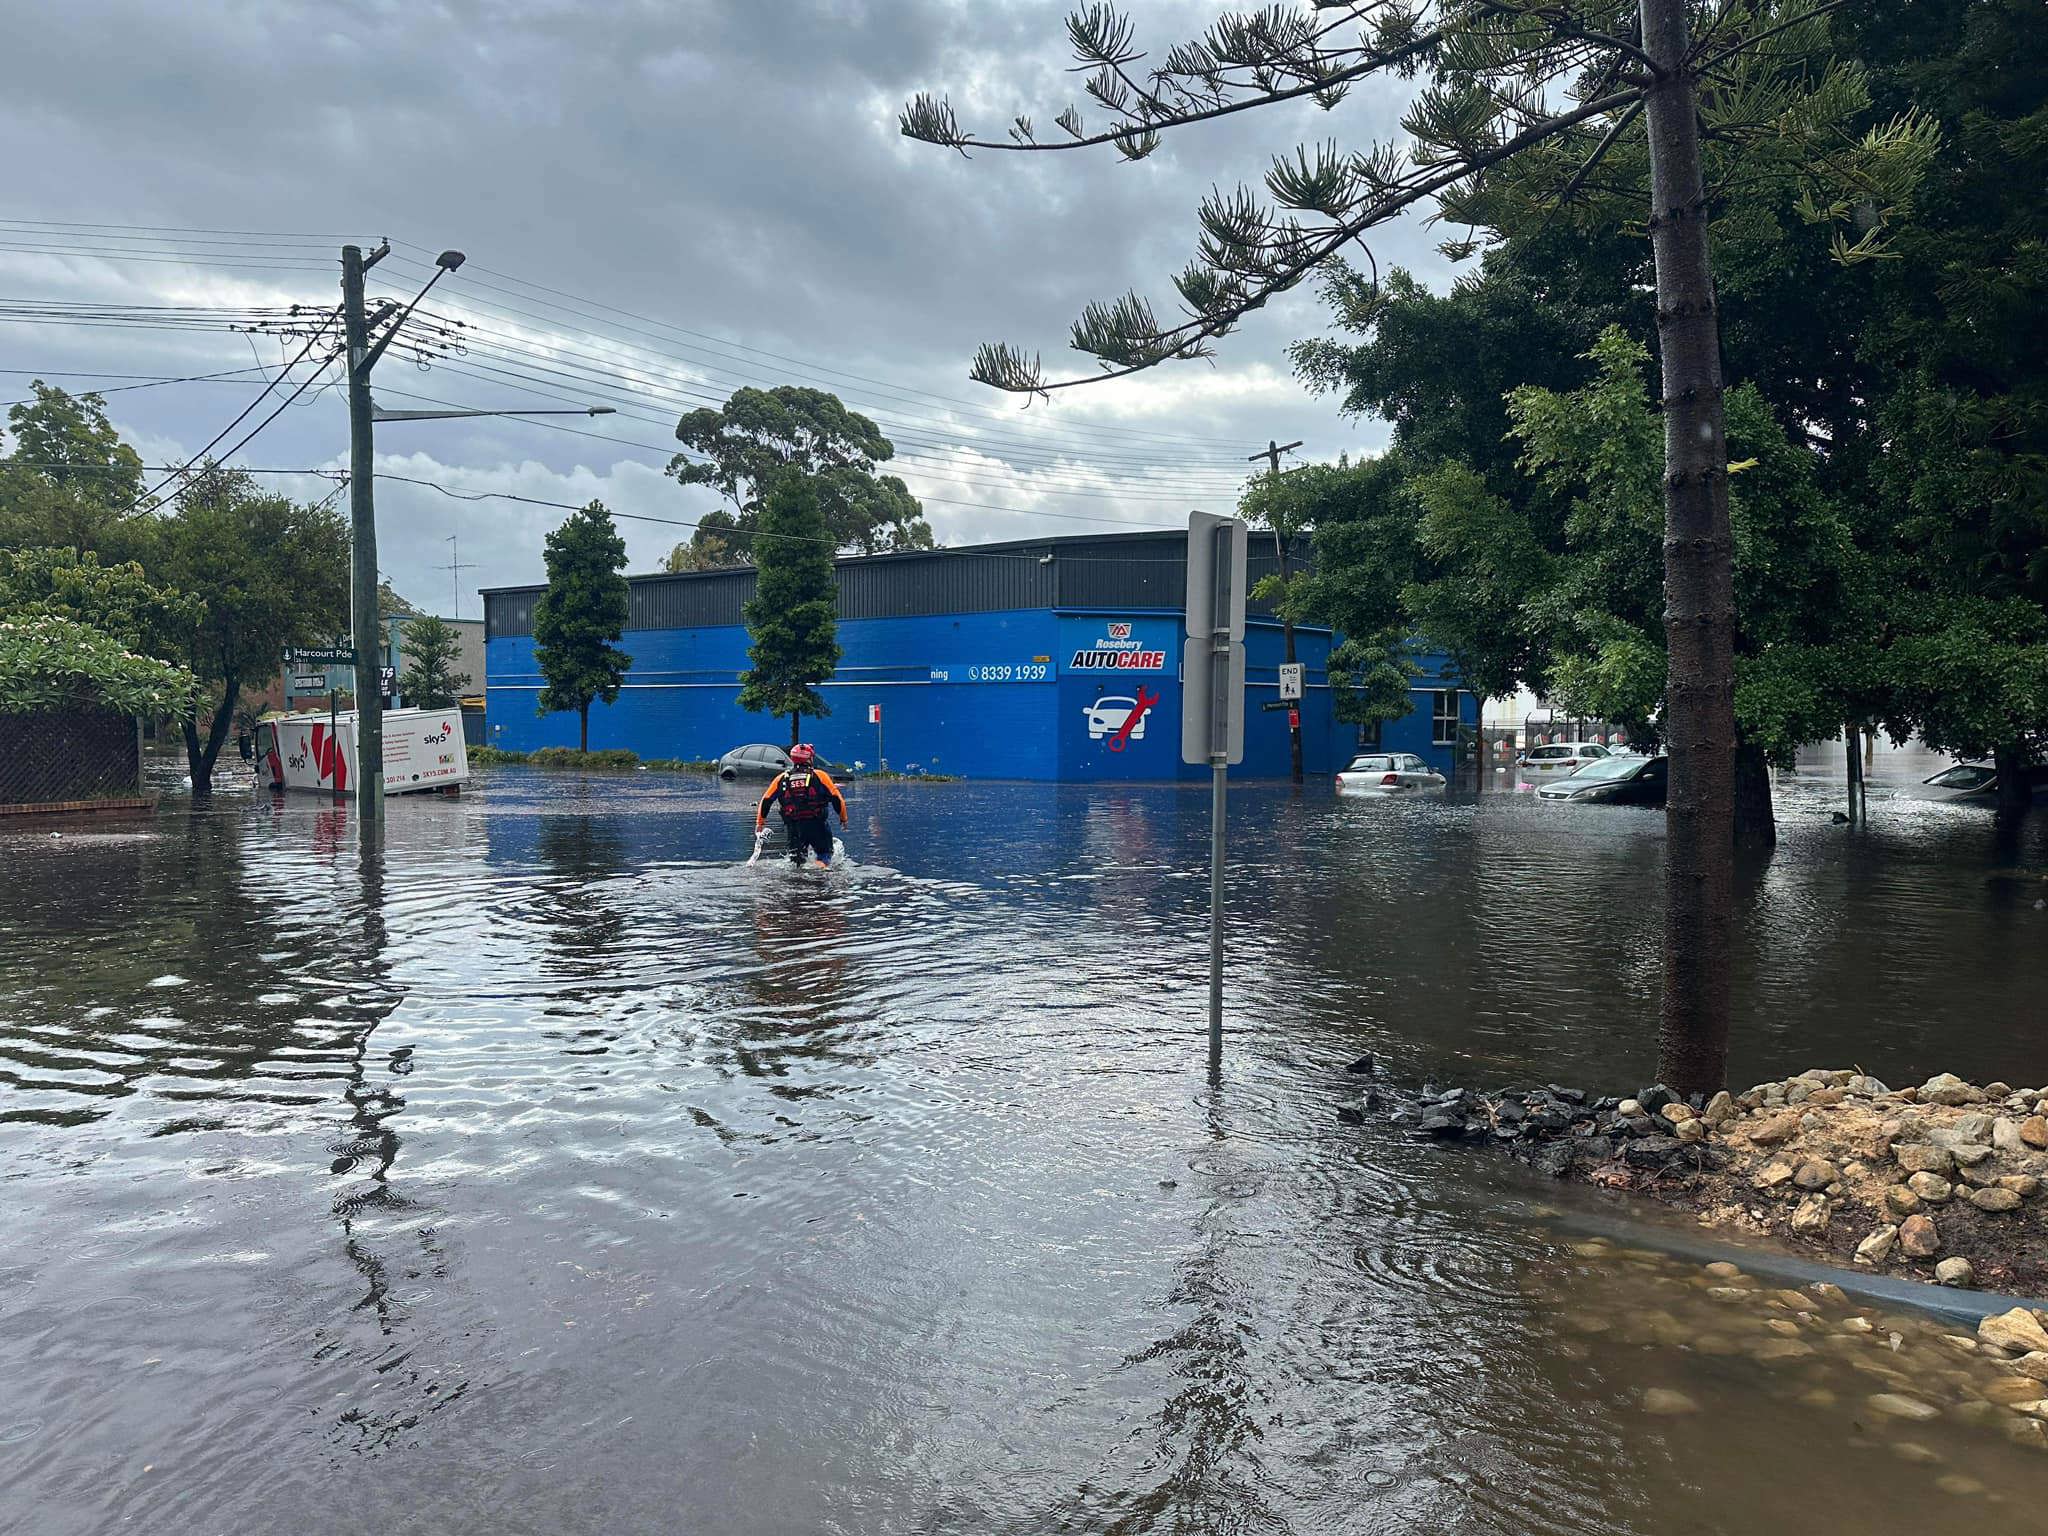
[[579, 616], [792, 617]]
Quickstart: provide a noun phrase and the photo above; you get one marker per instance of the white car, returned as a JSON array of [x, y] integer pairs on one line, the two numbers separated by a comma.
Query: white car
[[1560, 760], [1106, 717], [1388, 773]]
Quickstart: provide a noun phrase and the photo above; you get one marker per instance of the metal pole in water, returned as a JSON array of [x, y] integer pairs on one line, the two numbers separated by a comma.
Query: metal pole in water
[[1219, 768]]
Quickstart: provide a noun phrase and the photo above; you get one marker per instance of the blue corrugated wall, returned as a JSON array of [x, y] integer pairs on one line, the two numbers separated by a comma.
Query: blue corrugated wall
[[1027, 694]]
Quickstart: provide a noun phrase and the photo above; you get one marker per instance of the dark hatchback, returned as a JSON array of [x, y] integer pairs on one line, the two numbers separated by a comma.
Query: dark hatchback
[[1615, 781]]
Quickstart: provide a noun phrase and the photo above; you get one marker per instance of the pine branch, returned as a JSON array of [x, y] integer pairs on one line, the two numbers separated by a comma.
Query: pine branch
[[1127, 337]]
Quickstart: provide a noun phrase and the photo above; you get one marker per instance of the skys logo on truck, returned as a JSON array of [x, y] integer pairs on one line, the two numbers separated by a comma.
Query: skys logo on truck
[[1117, 651]]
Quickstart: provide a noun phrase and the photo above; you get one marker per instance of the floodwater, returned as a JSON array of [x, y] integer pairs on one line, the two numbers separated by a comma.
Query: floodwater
[[557, 1173]]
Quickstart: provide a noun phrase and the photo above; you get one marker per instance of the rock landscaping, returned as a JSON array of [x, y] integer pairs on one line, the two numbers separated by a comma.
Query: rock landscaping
[[1942, 1182]]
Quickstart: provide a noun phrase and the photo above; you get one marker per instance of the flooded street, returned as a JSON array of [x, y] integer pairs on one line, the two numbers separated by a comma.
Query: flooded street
[[562, 1174]]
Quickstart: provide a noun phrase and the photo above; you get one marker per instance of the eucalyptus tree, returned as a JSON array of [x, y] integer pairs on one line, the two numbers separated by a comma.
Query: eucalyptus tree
[[1553, 88]]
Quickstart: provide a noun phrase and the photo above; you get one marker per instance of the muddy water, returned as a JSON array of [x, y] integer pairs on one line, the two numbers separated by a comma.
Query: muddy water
[[559, 1174]]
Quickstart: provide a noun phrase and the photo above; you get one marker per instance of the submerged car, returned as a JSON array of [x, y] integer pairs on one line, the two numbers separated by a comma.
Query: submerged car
[[1980, 780], [1615, 781], [1388, 773], [759, 760], [1559, 759]]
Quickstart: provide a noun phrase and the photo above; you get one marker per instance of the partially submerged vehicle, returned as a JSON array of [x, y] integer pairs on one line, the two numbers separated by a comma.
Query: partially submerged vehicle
[[423, 749], [1979, 781]]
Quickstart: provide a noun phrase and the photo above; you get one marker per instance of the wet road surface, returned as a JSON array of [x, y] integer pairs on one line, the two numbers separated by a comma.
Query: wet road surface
[[560, 1174]]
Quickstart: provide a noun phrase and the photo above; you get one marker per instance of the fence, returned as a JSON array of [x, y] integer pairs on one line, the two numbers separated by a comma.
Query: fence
[[62, 758]]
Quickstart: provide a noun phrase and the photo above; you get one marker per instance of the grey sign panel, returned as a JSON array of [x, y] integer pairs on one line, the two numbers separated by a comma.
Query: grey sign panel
[[1198, 702], [1203, 596]]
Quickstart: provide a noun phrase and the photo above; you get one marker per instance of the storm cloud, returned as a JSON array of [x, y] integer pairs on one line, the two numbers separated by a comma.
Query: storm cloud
[[731, 171]]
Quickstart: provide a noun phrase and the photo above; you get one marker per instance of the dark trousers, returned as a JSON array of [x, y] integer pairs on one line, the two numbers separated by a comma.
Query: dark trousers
[[811, 833]]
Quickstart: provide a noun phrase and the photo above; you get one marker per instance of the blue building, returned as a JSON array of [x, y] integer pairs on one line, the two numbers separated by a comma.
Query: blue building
[[1051, 659]]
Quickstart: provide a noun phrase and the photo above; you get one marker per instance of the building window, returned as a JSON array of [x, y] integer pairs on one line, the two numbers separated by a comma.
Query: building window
[[1369, 734], [1444, 717]]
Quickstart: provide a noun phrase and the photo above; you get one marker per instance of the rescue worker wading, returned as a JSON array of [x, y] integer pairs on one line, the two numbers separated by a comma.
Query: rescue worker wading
[[803, 793]]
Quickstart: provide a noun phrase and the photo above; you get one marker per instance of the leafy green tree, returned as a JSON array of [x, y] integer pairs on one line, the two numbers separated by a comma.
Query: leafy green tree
[[1579, 565], [582, 613], [430, 680], [707, 550], [1564, 86], [49, 663], [792, 618], [744, 448], [118, 600], [1959, 345], [269, 573], [69, 479]]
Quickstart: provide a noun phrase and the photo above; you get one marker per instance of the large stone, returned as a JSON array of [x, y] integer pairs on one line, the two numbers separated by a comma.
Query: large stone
[[1690, 1131], [1720, 1109], [1931, 1187], [1866, 1085], [2014, 1391], [1629, 1107], [1919, 1238], [1955, 1271], [1969, 1153], [1773, 1174], [1721, 1269], [1815, 1173], [1920, 1157], [2018, 1329], [1676, 1111], [1810, 1216], [2033, 1364], [1994, 1199], [1897, 1405], [1774, 1129], [1971, 1128], [1947, 1088], [1877, 1247], [2034, 1131], [1901, 1201], [2005, 1135], [2025, 1185], [1666, 1403], [1775, 1351]]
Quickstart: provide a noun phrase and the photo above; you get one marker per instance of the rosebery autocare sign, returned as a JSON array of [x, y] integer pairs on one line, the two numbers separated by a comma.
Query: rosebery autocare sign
[[1117, 651]]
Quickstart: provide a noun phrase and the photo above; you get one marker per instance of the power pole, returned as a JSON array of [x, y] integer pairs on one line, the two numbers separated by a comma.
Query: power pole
[[363, 549], [1272, 456], [367, 623]]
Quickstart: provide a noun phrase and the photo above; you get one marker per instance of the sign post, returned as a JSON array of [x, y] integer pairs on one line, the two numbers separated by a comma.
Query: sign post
[[1212, 707], [875, 719]]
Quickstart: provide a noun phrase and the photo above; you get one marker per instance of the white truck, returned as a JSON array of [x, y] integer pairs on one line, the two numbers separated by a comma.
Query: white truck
[[422, 750]]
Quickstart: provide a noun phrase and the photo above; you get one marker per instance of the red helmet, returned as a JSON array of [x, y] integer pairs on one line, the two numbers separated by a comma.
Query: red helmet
[[802, 755]]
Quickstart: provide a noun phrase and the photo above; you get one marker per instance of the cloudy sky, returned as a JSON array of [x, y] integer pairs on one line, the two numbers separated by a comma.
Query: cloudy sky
[[660, 202]]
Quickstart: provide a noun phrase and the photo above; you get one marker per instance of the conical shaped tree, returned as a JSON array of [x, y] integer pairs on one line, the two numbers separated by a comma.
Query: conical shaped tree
[[792, 617], [579, 616]]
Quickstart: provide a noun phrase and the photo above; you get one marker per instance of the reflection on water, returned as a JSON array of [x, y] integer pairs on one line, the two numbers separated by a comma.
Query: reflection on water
[[556, 1162]]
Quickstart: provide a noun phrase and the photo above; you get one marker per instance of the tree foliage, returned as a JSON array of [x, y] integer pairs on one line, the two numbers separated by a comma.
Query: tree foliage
[[1551, 96], [582, 613], [69, 480], [49, 663], [743, 448], [117, 600], [792, 618], [269, 573], [429, 679]]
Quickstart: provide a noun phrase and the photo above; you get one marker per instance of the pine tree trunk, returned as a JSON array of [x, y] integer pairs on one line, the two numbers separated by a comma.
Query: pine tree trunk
[[2015, 794], [583, 726], [1699, 586], [1756, 821]]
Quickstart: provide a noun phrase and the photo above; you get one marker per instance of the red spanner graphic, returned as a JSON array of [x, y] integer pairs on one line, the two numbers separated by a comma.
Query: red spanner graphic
[[1122, 738]]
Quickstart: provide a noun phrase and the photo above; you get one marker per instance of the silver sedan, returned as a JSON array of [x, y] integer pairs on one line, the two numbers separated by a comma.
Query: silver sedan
[[1388, 773]]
